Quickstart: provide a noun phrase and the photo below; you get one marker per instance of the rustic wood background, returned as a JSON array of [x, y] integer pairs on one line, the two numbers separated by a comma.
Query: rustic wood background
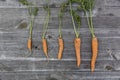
[[14, 33]]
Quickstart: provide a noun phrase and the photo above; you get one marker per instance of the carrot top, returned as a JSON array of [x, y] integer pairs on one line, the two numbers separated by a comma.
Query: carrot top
[[33, 11], [87, 6], [60, 16], [46, 8], [76, 19]]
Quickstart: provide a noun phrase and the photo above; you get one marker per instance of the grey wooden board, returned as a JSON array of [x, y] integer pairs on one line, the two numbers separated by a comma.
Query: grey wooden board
[[62, 76], [14, 33]]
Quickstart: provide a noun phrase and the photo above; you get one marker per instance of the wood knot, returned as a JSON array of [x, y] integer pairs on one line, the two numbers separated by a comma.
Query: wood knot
[[109, 68], [52, 78], [49, 37]]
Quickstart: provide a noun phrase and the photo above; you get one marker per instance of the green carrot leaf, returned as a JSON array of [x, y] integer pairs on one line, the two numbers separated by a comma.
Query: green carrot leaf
[[75, 1], [77, 18], [35, 11], [88, 4], [24, 2], [63, 6], [46, 7]]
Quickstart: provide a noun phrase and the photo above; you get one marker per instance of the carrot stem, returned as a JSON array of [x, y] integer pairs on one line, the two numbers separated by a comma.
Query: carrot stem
[[31, 25], [91, 20], [60, 24], [77, 35], [45, 26], [46, 21], [89, 25]]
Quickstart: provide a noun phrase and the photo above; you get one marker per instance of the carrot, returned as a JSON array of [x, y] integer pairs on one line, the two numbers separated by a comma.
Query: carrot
[[33, 11], [61, 47], [45, 48], [77, 43], [45, 27], [60, 40], [87, 6], [29, 44], [94, 53]]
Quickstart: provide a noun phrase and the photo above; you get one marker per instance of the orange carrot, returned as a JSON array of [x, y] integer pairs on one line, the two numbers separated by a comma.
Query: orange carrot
[[94, 52], [29, 44], [45, 49], [77, 43], [61, 46]]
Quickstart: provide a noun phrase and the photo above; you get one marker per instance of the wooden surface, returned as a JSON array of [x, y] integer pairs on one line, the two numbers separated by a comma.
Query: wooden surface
[[14, 33]]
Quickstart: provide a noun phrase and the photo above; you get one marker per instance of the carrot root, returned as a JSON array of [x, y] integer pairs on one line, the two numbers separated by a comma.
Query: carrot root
[[77, 43], [29, 44], [45, 48], [94, 53], [61, 46]]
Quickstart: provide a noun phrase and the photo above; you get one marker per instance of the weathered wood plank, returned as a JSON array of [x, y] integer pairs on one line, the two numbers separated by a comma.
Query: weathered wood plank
[[52, 34], [54, 75], [114, 3], [24, 64], [99, 22], [105, 43], [68, 54], [115, 11], [53, 3]]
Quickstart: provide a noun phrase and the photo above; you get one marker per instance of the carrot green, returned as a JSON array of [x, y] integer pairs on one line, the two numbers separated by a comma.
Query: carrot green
[[46, 8]]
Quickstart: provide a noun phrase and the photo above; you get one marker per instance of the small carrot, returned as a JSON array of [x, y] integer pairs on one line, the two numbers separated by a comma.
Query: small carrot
[[94, 53], [29, 44], [77, 43], [60, 40], [33, 11], [45, 47], [61, 47], [45, 27]]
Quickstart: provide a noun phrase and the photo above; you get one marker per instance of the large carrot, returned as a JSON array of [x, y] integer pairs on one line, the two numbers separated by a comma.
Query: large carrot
[[45, 48], [61, 47], [87, 6], [77, 43], [94, 52]]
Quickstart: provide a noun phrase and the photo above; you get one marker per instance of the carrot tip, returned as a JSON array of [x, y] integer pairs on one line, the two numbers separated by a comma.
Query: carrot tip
[[92, 70], [78, 65], [46, 56], [59, 58]]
